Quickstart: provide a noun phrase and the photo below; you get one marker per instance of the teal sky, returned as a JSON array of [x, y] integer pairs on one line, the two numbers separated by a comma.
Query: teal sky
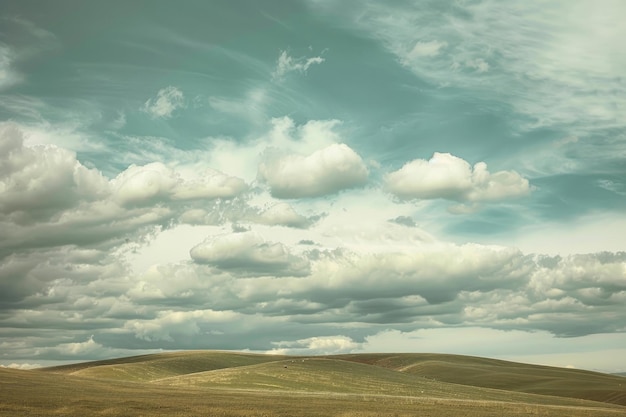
[[313, 176]]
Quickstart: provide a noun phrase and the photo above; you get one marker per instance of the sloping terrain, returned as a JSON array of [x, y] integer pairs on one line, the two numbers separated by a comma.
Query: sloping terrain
[[504, 375], [241, 384], [319, 375], [36, 394], [161, 365]]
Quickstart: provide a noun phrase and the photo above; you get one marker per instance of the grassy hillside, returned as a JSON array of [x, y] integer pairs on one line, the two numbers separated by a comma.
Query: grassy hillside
[[239, 384], [317, 375], [511, 376], [162, 365], [36, 393], [345, 377]]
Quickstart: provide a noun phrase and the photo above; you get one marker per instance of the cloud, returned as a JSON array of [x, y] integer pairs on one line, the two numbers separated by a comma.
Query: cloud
[[575, 68], [326, 345], [141, 185], [449, 177], [249, 253], [170, 325], [478, 64], [283, 214], [8, 76], [327, 171], [168, 100], [21, 366], [287, 63], [64, 223], [39, 182], [97, 264], [404, 221], [427, 49], [25, 41], [242, 213], [85, 348]]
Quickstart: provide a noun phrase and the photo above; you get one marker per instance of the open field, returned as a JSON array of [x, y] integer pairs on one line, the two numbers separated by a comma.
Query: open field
[[236, 384], [503, 375]]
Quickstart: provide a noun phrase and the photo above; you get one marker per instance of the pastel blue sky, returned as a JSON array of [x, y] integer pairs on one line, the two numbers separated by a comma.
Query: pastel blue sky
[[313, 177]]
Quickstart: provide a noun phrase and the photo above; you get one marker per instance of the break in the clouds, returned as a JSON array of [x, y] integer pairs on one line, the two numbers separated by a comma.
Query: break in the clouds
[[313, 177]]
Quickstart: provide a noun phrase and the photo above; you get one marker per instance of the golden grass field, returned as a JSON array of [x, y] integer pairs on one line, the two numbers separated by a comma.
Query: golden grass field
[[214, 383]]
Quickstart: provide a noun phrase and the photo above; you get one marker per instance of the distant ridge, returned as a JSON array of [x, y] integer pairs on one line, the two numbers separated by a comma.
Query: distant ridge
[[505, 375], [401, 370], [161, 365], [207, 383]]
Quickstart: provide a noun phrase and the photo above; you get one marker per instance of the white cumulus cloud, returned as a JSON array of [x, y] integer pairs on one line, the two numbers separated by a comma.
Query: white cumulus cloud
[[249, 254], [140, 185], [327, 171], [449, 177], [320, 345], [283, 214]]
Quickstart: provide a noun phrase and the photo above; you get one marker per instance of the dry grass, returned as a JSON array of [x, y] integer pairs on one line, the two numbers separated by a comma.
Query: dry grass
[[315, 387], [497, 374]]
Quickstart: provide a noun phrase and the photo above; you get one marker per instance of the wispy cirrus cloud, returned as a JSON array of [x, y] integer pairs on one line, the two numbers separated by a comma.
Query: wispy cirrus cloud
[[24, 40], [167, 100], [8, 75], [473, 45], [287, 63]]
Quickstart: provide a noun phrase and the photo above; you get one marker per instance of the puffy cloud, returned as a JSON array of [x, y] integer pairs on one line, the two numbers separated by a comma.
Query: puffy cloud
[[21, 366], [593, 279], [64, 224], [166, 102], [141, 185], [449, 177], [287, 63], [327, 171], [37, 183], [437, 274], [169, 325], [79, 348], [250, 254], [144, 185], [324, 345], [243, 213], [283, 214]]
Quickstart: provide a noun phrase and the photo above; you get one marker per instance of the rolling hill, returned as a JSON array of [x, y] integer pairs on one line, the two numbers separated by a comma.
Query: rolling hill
[[156, 366], [504, 375], [244, 384]]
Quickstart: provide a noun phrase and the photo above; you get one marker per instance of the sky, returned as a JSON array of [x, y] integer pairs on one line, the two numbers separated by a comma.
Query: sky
[[313, 177]]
